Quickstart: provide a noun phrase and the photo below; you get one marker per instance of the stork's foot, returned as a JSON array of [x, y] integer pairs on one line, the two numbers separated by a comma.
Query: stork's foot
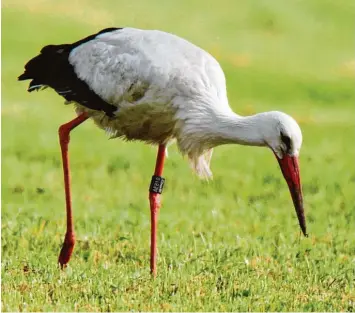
[[67, 249]]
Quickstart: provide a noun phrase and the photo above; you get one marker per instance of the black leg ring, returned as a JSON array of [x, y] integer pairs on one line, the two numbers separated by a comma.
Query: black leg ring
[[157, 184]]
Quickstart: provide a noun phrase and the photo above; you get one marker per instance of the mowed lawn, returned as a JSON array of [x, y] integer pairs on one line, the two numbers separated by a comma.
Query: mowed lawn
[[232, 244]]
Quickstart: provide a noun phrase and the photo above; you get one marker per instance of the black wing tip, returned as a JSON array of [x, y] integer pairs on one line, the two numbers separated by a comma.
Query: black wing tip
[[24, 76], [110, 113]]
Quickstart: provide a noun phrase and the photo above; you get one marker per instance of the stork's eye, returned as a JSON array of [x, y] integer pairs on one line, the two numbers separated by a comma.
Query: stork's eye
[[287, 141]]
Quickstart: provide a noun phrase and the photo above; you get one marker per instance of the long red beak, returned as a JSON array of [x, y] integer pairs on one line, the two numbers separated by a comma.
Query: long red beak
[[290, 169]]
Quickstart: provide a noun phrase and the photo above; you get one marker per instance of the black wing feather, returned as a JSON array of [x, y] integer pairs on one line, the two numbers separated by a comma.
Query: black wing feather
[[52, 68]]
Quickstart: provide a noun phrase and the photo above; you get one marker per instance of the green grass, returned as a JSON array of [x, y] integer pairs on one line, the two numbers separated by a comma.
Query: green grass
[[229, 245]]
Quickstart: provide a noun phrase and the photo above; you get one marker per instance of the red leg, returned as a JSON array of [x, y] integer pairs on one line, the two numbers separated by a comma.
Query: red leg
[[154, 198], [64, 138]]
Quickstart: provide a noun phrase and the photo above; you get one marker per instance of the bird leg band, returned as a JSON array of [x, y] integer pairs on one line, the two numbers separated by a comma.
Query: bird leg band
[[157, 184]]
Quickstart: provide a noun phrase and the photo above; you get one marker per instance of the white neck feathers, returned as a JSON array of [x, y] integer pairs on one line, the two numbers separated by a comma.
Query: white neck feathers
[[232, 128], [208, 127]]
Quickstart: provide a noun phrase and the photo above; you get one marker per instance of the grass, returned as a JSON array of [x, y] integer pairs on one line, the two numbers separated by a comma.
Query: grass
[[229, 245]]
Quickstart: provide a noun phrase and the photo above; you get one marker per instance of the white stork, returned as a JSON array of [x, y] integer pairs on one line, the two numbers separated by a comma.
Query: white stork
[[155, 87]]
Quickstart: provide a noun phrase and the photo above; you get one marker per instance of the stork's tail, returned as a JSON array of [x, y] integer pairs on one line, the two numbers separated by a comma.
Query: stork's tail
[[43, 68], [52, 68]]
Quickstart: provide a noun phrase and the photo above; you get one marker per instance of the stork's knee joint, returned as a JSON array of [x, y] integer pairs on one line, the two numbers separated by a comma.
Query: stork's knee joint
[[63, 133]]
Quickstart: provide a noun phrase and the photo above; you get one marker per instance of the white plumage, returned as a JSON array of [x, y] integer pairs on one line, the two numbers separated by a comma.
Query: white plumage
[[156, 87], [163, 87], [166, 88]]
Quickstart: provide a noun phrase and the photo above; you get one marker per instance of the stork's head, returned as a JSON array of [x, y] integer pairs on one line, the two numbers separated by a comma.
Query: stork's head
[[283, 135]]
